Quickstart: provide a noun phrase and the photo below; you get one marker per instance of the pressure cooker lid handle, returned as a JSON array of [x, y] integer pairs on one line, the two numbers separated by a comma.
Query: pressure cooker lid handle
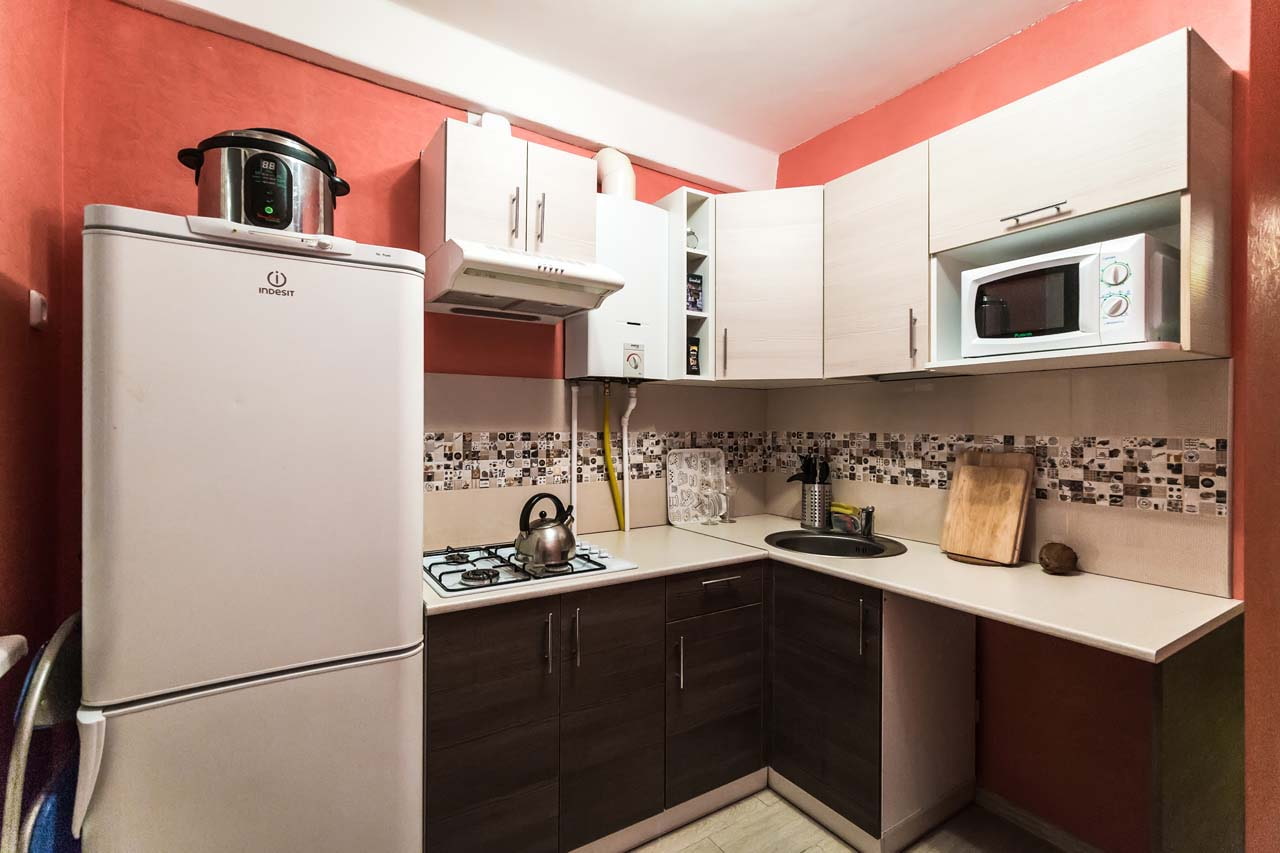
[[192, 158], [337, 186]]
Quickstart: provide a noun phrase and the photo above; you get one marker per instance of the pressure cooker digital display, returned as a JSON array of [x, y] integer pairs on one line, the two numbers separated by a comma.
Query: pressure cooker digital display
[[268, 191]]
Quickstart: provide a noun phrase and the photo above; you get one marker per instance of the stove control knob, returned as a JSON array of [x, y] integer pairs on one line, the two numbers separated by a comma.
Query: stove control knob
[[1115, 274], [1116, 306], [604, 555]]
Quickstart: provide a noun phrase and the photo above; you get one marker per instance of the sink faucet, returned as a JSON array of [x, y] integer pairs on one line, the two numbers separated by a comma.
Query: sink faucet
[[867, 522]]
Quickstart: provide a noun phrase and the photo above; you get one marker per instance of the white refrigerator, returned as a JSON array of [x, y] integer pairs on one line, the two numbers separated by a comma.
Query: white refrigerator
[[252, 539]]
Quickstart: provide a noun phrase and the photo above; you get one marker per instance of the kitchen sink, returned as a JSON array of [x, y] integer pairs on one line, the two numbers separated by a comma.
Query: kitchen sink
[[835, 544]]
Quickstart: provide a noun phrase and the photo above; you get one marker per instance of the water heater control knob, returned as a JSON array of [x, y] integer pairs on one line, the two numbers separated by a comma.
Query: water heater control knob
[[1115, 274], [1116, 306]]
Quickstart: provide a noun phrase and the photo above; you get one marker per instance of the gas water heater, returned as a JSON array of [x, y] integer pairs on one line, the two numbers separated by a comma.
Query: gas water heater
[[626, 337]]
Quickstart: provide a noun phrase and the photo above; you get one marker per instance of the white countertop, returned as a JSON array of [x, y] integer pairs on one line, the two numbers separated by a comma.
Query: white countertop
[[1138, 620], [1126, 617], [659, 551]]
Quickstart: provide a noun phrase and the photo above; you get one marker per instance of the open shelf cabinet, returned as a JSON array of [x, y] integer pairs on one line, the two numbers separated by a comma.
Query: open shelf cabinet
[[691, 210]]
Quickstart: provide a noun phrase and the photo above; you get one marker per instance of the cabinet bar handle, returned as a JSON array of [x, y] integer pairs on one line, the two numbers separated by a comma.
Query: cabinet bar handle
[[860, 621], [722, 580], [724, 352], [577, 636], [515, 213], [682, 661], [542, 215], [550, 616], [911, 333], [1015, 218]]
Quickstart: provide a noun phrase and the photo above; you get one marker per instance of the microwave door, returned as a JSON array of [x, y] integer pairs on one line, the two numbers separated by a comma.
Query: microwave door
[[1035, 305]]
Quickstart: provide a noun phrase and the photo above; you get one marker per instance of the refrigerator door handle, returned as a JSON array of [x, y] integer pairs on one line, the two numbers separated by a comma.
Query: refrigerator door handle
[[92, 724]]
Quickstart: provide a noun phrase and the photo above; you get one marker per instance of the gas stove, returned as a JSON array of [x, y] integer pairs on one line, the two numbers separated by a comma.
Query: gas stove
[[479, 568]]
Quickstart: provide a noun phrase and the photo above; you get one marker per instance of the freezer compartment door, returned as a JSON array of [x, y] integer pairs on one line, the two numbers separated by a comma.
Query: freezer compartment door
[[252, 463], [328, 762]]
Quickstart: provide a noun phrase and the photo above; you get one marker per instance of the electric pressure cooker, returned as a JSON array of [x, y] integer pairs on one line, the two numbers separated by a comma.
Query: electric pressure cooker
[[266, 177]]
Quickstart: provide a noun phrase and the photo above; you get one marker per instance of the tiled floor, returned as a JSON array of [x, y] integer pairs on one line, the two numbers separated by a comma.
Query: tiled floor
[[765, 823]]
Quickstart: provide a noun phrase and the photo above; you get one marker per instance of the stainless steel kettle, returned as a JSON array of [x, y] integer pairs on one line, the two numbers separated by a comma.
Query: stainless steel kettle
[[545, 541]]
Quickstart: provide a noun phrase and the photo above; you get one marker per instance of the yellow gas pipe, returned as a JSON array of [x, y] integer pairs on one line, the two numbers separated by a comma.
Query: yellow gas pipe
[[608, 463]]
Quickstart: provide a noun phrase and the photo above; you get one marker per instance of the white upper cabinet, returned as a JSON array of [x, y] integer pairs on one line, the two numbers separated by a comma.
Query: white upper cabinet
[[769, 284], [485, 185], [876, 243], [1113, 134], [561, 204]]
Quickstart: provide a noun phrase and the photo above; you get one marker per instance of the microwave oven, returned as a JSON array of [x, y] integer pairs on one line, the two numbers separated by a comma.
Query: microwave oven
[[1120, 291]]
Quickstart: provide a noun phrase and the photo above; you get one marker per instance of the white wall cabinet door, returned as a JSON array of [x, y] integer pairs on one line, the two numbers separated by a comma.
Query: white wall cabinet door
[[562, 204], [1113, 134], [876, 247], [769, 284], [474, 187]]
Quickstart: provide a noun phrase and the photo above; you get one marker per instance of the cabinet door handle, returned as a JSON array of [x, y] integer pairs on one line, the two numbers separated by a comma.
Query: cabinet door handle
[[577, 636], [911, 333], [542, 215], [861, 617], [722, 580], [515, 213], [724, 352], [550, 617], [682, 661], [1017, 217]]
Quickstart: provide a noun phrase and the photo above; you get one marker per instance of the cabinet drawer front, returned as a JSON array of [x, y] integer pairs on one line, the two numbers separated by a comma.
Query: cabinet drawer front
[[708, 591], [611, 642], [490, 669], [611, 766], [1113, 134]]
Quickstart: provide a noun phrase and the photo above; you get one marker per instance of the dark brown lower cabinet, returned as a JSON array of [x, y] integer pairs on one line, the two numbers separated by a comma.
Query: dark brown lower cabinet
[[492, 729], [825, 691], [611, 709], [715, 700]]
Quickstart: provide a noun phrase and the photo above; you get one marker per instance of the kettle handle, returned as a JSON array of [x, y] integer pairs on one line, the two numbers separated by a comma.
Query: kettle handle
[[561, 514]]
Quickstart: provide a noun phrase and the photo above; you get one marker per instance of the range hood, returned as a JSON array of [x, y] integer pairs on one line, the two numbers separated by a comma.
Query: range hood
[[478, 280]]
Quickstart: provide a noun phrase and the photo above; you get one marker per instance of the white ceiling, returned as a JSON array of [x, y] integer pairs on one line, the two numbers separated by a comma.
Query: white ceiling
[[772, 73]]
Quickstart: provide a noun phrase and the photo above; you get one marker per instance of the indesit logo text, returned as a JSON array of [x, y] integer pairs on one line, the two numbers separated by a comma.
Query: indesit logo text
[[277, 281]]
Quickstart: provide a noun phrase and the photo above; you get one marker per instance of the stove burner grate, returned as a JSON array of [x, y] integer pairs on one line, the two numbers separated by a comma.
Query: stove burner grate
[[478, 577]]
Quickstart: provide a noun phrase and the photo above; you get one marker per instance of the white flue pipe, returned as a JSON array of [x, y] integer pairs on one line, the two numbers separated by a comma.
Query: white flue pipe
[[573, 450], [615, 174], [626, 459]]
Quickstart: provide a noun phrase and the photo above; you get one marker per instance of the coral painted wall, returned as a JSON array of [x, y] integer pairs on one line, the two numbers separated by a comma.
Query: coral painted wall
[[1257, 412], [1065, 730], [140, 86], [30, 258]]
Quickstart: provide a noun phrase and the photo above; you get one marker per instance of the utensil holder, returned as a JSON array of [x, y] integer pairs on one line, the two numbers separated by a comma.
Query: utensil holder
[[815, 506]]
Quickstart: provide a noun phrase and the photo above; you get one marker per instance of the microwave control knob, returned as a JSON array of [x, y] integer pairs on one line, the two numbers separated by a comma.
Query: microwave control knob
[[1116, 306], [1116, 274]]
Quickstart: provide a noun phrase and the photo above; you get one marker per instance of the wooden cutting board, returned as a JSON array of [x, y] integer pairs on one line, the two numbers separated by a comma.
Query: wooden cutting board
[[1006, 460], [986, 513]]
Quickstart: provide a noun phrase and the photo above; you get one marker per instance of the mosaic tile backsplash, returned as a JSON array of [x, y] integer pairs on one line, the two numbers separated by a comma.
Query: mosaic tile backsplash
[[1178, 474]]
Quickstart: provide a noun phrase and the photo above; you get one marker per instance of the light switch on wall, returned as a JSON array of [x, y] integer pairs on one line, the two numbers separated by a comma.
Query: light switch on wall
[[38, 310]]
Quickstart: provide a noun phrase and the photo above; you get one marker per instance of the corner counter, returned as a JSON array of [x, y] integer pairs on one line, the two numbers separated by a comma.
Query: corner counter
[[1138, 620]]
